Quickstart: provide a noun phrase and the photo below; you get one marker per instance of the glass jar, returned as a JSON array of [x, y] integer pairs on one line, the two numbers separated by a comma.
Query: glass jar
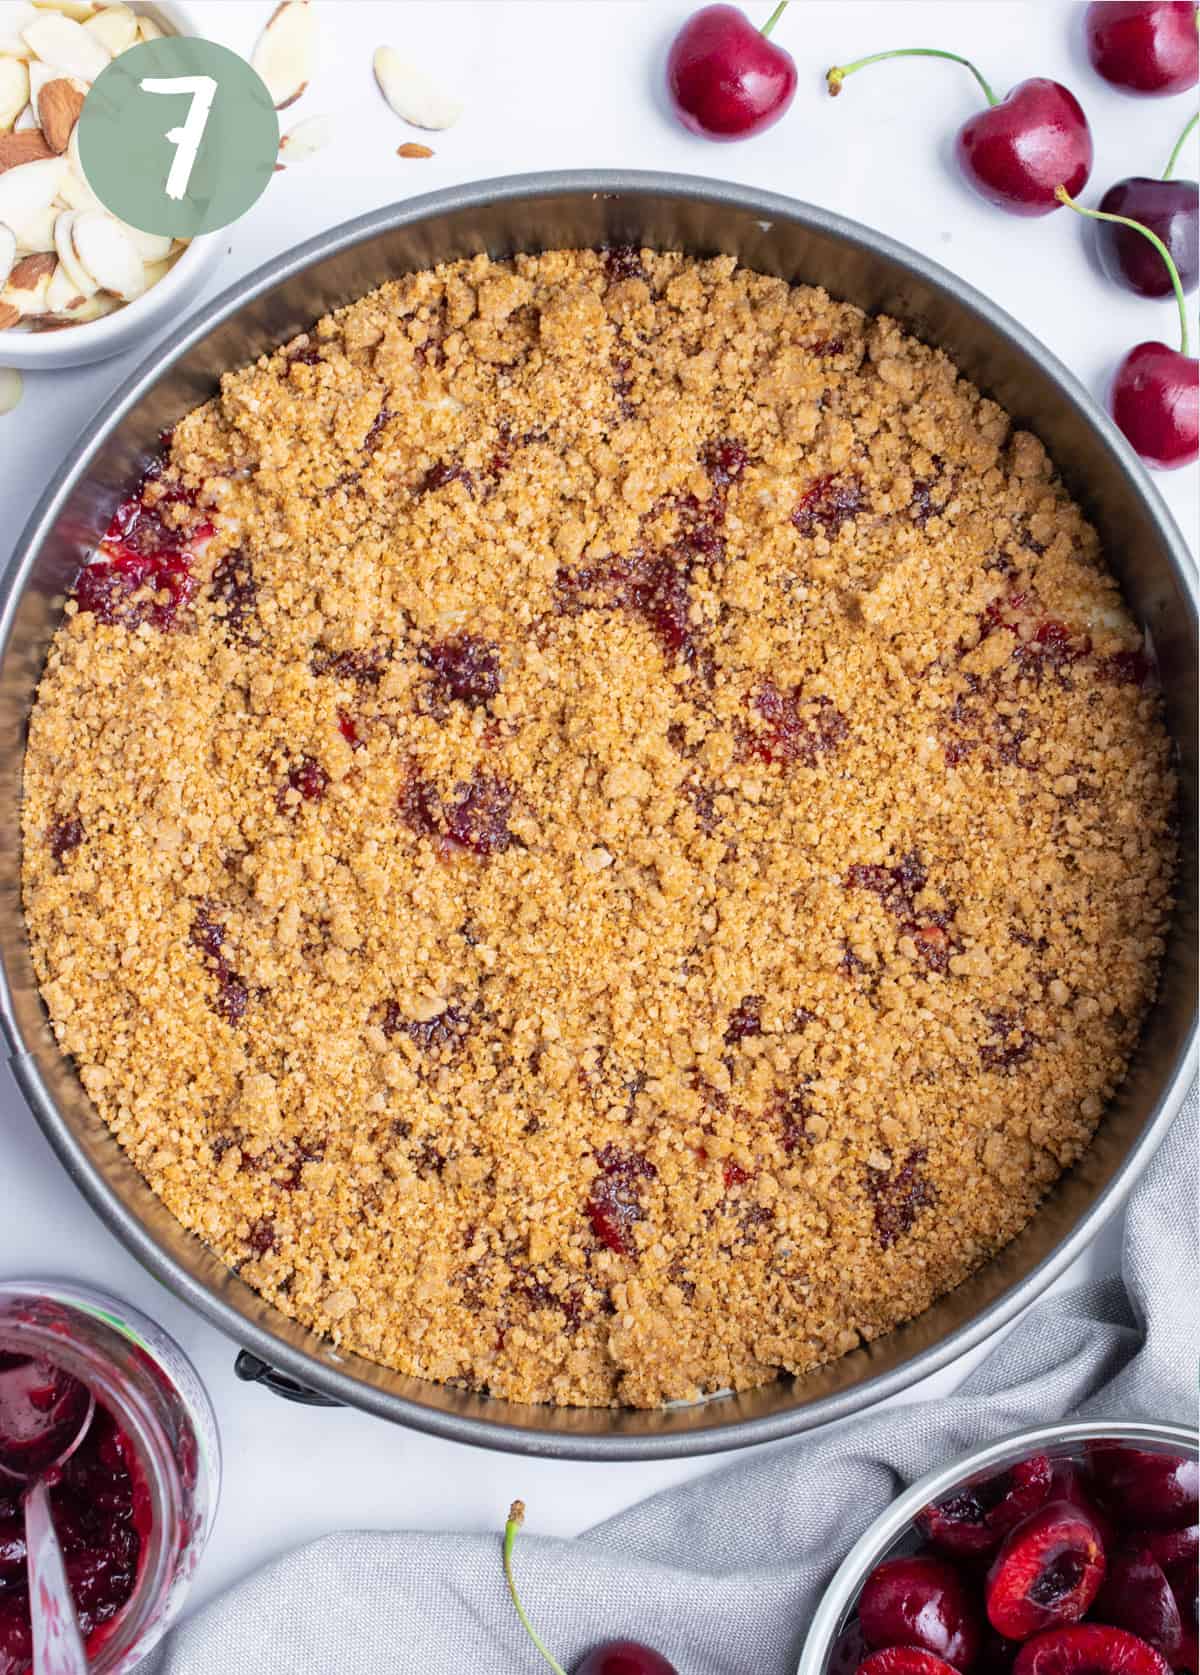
[[154, 1394]]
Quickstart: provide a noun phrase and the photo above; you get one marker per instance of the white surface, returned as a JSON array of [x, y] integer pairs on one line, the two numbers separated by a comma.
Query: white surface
[[573, 83]]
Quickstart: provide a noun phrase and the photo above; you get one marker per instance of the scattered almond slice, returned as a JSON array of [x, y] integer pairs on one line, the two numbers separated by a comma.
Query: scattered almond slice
[[29, 146], [14, 91], [28, 188], [62, 292], [13, 18], [92, 308], [148, 30], [285, 56], [411, 94], [76, 9], [30, 271], [9, 316], [151, 247], [26, 299], [107, 254], [116, 28], [411, 149], [59, 105], [36, 232], [8, 254], [64, 226], [11, 385], [76, 193], [59, 40], [306, 139], [39, 75]]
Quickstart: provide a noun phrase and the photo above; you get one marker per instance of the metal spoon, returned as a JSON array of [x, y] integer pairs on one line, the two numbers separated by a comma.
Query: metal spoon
[[44, 1416]]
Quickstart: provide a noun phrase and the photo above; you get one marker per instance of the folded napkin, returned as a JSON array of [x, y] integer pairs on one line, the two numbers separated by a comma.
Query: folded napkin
[[723, 1574]]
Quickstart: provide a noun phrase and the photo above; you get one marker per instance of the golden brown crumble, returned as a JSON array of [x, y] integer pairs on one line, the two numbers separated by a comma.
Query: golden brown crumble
[[639, 852]]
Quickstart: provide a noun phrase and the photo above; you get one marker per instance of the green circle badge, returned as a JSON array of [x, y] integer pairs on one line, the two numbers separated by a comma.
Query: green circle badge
[[178, 136]]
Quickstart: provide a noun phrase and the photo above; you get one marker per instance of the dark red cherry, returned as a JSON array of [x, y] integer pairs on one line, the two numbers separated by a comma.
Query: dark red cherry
[[976, 1518], [1170, 208], [1136, 1595], [1022, 148], [625, 1657], [1143, 1487], [1089, 1649], [1155, 402], [904, 1660], [1143, 46], [920, 1601], [727, 79], [1047, 1572]]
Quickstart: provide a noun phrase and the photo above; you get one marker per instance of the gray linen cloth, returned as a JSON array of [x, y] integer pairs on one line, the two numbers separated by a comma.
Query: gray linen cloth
[[722, 1574]]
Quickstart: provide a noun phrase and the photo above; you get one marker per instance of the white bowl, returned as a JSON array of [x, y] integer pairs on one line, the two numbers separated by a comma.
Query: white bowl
[[96, 340]]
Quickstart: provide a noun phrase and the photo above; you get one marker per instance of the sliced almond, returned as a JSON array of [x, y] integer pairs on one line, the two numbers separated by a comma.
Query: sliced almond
[[107, 254], [30, 271], [63, 227], [8, 254], [151, 247], [76, 193], [77, 9], [57, 39], [306, 139], [29, 299], [14, 91], [410, 148], [26, 120], [36, 232], [28, 187], [61, 291], [11, 385], [115, 27], [158, 270], [9, 316], [13, 19], [286, 54], [411, 94], [59, 105], [148, 30], [29, 146]]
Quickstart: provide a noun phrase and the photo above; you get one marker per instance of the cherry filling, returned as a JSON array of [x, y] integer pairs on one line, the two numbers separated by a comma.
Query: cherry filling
[[208, 935], [465, 669], [614, 1203], [797, 729], [475, 818], [306, 780], [101, 1515], [445, 471], [828, 503], [66, 833], [899, 1196], [142, 571]]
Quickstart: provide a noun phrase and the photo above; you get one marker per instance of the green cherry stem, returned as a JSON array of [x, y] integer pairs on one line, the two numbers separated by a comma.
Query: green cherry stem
[[774, 18], [1064, 197], [835, 77], [1179, 145], [516, 1517]]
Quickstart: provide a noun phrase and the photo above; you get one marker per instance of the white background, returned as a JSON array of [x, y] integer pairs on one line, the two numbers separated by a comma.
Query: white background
[[555, 84]]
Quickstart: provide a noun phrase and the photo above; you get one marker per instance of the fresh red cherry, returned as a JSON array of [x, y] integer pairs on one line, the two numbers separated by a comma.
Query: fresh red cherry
[[1143, 46], [1047, 1572], [920, 1601], [727, 79], [1018, 151], [615, 1657], [1155, 399], [1170, 208], [1136, 1595], [624, 1657], [1089, 1649]]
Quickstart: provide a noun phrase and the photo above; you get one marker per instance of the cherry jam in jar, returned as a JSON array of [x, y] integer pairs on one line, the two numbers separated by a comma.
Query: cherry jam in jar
[[134, 1503]]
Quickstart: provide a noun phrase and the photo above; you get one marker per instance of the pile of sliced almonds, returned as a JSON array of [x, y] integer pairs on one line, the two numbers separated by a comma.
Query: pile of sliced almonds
[[64, 259]]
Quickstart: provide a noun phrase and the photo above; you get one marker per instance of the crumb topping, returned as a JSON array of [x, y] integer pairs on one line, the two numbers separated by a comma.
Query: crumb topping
[[598, 827]]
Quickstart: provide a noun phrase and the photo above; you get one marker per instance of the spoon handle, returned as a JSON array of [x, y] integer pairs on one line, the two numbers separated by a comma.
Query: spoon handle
[[57, 1644]]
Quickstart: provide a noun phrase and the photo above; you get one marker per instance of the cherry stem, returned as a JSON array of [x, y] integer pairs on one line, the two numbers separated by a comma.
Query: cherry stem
[[516, 1517], [1064, 197], [835, 77], [1179, 145], [774, 18]]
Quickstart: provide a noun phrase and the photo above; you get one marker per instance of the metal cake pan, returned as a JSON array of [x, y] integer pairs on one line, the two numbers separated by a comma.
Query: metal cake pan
[[775, 235]]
